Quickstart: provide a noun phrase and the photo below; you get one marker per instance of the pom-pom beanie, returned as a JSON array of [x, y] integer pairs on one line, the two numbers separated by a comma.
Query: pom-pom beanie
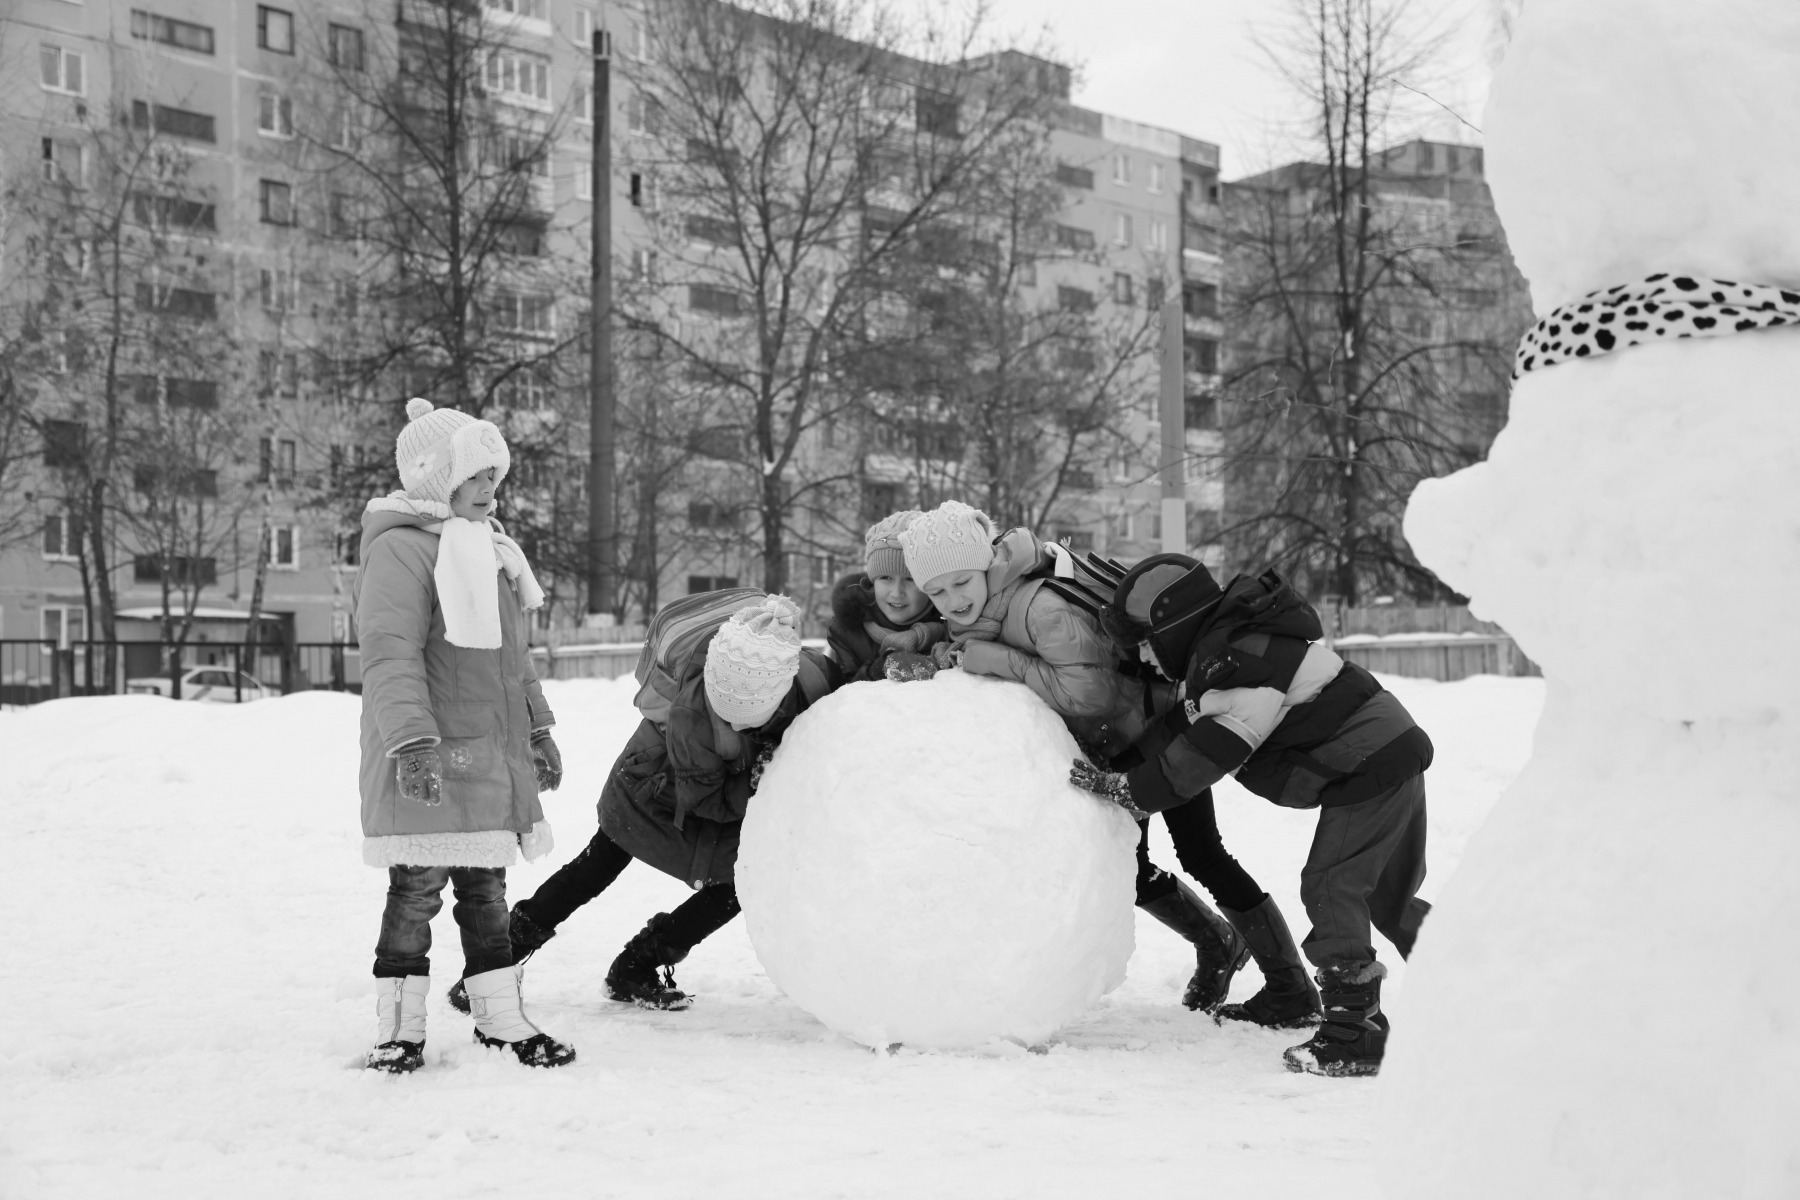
[[951, 537], [881, 545], [440, 448], [752, 661]]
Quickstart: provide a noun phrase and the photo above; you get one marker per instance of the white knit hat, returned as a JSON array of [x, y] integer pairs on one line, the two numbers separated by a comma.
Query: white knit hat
[[752, 661], [440, 448], [881, 545], [951, 537]]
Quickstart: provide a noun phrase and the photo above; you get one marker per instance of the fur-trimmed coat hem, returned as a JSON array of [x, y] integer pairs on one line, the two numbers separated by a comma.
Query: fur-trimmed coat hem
[[486, 848]]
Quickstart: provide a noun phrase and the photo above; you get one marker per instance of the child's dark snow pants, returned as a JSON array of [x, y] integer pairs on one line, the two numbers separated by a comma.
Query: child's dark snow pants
[[1365, 867]]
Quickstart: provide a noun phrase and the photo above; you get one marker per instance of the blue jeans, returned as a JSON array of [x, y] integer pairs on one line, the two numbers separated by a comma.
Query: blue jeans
[[415, 894]]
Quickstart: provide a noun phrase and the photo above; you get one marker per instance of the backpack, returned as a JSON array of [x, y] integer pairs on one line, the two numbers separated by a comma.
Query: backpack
[[677, 628], [1085, 580]]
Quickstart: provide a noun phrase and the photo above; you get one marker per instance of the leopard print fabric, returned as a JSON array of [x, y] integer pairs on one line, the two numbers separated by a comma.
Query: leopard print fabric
[[1661, 308]]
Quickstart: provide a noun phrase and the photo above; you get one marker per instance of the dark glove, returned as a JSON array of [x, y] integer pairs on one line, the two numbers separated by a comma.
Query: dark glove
[[903, 666], [421, 775], [756, 768], [945, 656], [548, 760], [1108, 785]]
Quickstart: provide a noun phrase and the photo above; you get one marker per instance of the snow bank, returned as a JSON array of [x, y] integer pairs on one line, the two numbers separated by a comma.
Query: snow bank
[[916, 867], [1604, 1000]]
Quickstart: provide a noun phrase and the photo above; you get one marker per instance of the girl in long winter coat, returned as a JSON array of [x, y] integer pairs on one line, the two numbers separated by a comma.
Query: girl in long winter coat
[[1006, 622], [455, 731], [676, 798], [879, 613]]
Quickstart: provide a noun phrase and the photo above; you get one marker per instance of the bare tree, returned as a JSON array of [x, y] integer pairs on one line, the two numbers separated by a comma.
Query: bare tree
[[797, 146], [1372, 313]]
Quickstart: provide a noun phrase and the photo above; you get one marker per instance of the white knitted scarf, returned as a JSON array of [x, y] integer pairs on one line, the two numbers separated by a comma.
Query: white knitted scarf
[[469, 552]]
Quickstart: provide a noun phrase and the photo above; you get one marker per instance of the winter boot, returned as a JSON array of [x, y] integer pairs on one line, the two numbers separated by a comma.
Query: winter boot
[[500, 1020], [526, 935], [400, 1024], [1354, 1035], [1288, 999], [1218, 949], [642, 973]]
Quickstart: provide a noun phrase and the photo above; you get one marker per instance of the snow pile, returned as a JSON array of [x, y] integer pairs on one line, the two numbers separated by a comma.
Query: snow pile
[[916, 867], [1604, 1000]]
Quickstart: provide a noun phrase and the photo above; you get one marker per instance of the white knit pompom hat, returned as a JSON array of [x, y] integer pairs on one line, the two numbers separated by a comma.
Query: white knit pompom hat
[[440, 448], [752, 661], [951, 537]]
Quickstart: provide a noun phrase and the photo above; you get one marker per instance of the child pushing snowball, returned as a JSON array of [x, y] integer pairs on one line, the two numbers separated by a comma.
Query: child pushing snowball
[[1004, 622], [455, 732], [879, 617], [676, 798]]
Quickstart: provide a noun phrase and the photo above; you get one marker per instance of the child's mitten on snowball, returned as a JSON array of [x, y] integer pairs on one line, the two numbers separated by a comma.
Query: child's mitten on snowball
[[904, 666]]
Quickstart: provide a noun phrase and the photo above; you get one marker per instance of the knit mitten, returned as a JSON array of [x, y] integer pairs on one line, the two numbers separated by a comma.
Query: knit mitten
[[421, 776], [548, 761]]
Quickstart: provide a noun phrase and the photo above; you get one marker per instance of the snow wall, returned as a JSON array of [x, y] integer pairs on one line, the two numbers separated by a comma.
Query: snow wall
[[1603, 1003]]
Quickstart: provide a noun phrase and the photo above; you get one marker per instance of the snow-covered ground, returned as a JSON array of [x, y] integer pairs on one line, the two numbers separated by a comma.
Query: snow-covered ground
[[188, 1000]]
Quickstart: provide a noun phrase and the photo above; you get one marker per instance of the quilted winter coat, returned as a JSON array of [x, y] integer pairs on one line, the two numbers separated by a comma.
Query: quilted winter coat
[[483, 704]]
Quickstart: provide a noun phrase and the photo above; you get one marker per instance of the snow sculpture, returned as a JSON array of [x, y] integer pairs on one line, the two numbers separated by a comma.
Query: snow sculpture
[[1604, 1002], [916, 868]]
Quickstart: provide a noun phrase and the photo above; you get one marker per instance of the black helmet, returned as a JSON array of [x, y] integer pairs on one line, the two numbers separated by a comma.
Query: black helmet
[[1161, 600]]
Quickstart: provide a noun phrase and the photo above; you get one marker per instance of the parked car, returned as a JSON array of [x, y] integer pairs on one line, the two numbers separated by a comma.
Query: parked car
[[213, 684]]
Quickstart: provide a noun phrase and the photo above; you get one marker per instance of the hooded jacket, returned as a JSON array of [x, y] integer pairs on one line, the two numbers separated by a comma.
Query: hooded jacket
[[858, 655], [1030, 634], [481, 706], [677, 795], [1261, 698]]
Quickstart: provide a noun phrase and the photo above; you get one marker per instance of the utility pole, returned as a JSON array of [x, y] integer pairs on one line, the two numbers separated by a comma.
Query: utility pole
[[1172, 412], [601, 518]]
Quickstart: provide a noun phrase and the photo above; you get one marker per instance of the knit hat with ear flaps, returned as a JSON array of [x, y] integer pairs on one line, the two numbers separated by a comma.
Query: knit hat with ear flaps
[[951, 537], [1161, 600], [752, 661], [440, 448], [881, 545]]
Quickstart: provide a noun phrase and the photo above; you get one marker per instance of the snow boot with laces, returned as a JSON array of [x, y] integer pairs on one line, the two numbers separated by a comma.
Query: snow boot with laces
[[1287, 999], [643, 974], [526, 936], [1354, 1036], [399, 1024], [500, 1020], [1218, 950]]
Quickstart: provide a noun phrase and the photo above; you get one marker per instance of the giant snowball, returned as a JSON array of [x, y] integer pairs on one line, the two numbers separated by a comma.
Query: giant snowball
[[916, 867]]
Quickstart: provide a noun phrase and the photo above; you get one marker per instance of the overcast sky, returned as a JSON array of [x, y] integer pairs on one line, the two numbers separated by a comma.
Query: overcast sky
[[1193, 66]]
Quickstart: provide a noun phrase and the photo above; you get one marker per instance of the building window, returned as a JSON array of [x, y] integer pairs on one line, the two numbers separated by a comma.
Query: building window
[[639, 40], [60, 70], [1200, 299], [1158, 234], [346, 127], [537, 10], [702, 514], [65, 443], [1121, 229], [284, 545], [1202, 355], [275, 29], [1071, 237], [710, 583], [582, 101], [191, 393], [342, 217], [710, 229], [275, 289], [175, 122], [643, 265], [1155, 182], [704, 297], [1201, 412], [643, 191], [65, 162], [584, 179], [279, 372], [1075, 177], [517, 312], [584, 28], [183, 35], [1122, 169], [62, 537], [181, 569], [937, 114], [277, 200], [643, 115], [346, 48], [1123, 289], [177, 302], [173, 213], [523, 238], [1074, 299], [519, 78], [63, 624], [344, 297], [275, 116]]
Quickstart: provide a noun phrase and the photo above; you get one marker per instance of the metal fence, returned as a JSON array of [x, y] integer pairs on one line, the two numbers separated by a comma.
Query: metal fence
[[33, 670]]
